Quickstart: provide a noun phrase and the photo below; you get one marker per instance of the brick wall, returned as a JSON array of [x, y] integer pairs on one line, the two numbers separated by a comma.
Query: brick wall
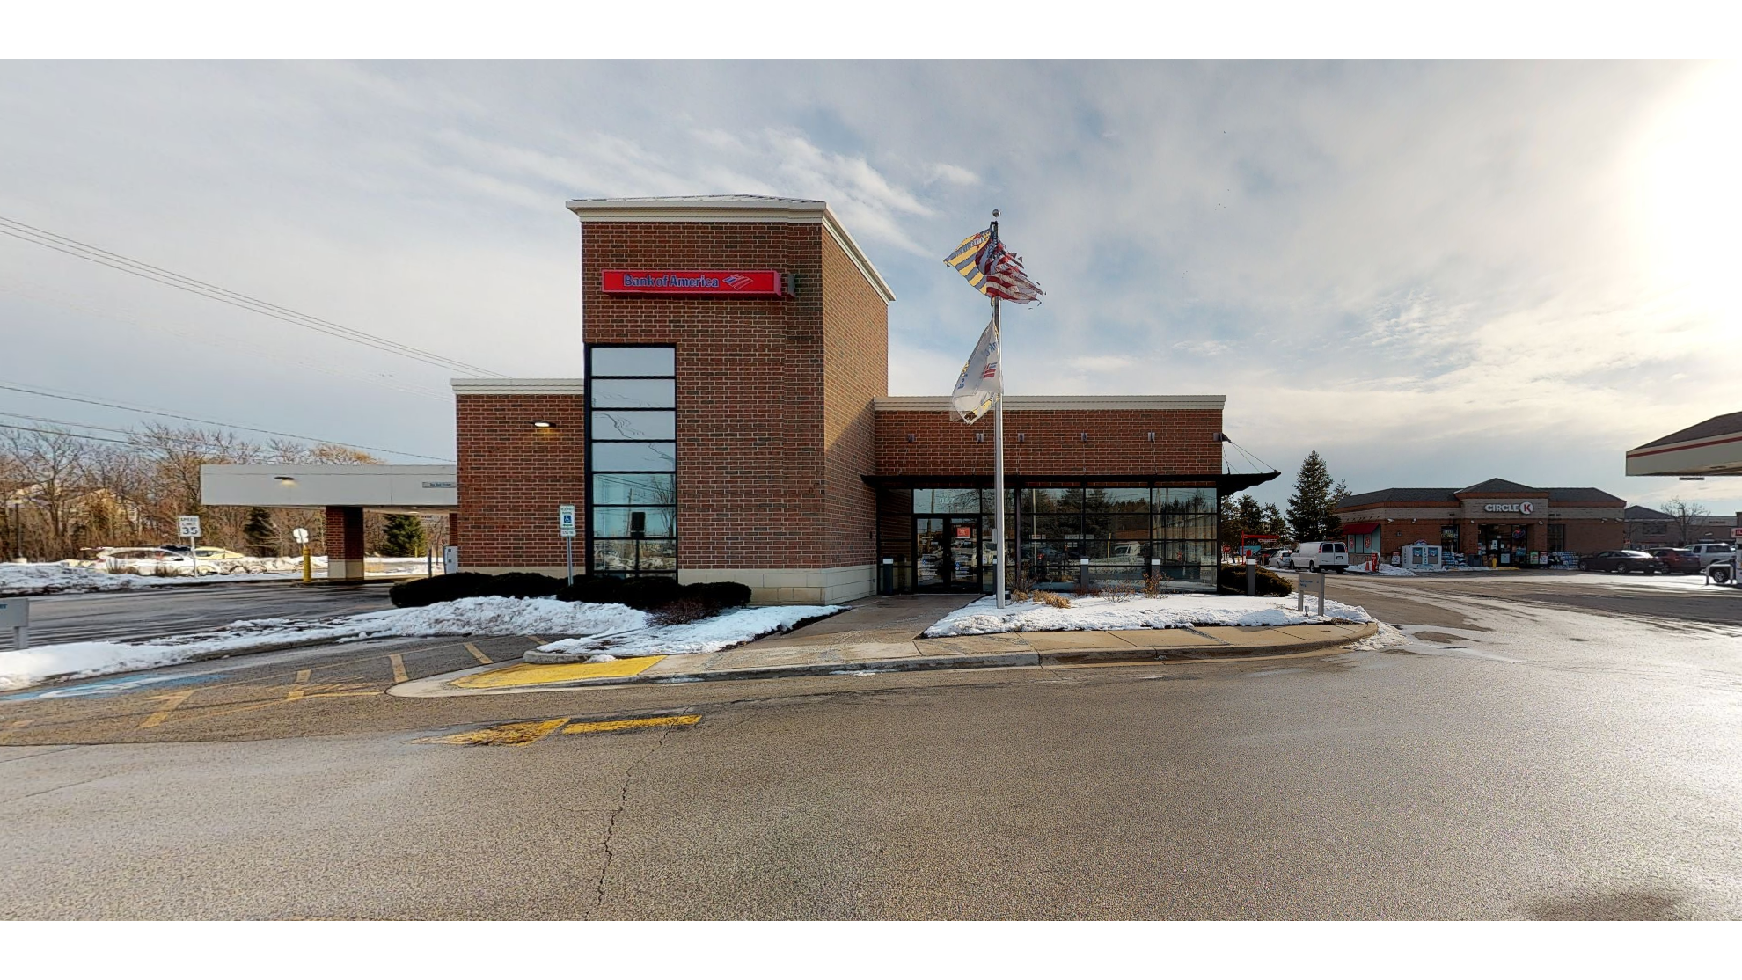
[[1050, 443], [513, 477], [855, 371], [344, 532], [759, 447]]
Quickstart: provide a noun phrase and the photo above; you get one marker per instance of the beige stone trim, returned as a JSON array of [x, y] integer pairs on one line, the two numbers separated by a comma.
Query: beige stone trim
[[793, 586], [1065, 403], [768, 586], [518, 386]]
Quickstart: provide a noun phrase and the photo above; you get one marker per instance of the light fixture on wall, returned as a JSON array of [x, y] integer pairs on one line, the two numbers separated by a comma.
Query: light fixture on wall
[[541, 424], [286, 481]]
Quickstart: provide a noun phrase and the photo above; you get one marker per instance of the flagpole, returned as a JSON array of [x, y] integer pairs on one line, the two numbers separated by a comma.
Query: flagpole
[[998, 440]]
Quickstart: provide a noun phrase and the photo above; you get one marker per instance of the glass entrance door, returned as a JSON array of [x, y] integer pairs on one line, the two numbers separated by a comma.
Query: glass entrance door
[[948, 550]]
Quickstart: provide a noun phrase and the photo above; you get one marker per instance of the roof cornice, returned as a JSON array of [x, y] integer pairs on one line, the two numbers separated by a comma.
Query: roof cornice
[[730, 210], [518, 386], [1065, 403]]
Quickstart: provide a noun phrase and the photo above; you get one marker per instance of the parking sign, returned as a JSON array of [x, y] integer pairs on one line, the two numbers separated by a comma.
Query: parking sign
[[187, 527], [565, 520]]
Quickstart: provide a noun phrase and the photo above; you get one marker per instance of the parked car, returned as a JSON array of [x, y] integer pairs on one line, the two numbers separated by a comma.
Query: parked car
[[217, 554], [1623, 562], [1711, 551], [1316, 555], [1281, 559], [1679, 560]]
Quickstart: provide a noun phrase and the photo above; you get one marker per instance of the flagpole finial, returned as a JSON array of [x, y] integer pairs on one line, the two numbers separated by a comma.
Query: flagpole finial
[[994, 212]]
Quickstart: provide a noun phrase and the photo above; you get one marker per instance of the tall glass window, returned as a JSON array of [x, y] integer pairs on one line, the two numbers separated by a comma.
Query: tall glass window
[[632, 459], [1126, 533]]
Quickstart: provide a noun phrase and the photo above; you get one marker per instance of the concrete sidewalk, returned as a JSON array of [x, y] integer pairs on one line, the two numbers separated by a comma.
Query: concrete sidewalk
[[882, 634]]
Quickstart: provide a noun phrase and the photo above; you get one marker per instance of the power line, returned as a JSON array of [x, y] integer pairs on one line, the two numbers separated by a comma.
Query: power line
[[69, 435], [184, 440], [233, 343], [73, 397], [134, 267]]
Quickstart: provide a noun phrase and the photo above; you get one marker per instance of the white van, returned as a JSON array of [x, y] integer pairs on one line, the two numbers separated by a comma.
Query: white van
[[1316, 555]]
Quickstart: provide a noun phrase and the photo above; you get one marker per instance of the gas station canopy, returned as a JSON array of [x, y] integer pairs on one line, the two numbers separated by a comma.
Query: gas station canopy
[[1711, 448]]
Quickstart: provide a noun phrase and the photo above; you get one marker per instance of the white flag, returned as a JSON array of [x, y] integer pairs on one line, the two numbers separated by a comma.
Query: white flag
[[981, 383]]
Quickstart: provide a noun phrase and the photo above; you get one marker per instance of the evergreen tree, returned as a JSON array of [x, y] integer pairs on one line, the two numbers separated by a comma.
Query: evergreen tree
[[1309, 507], [259, 534], [1251, 515], [1228, 522], [1274, 523], [404, 536]]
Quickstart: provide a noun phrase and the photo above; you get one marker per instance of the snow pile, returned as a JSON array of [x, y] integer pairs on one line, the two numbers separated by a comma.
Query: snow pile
[[1101, 613], [488, 616], [42, 579], [706, 636]]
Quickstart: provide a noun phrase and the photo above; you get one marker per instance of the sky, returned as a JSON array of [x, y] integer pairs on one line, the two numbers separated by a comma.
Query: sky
[[1432, 273]]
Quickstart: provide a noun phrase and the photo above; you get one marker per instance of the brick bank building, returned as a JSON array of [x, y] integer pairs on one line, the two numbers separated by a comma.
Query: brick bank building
[[1495, 518], [734, 422]]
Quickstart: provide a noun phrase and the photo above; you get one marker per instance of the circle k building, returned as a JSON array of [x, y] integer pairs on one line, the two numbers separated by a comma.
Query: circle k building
[[734, 422]]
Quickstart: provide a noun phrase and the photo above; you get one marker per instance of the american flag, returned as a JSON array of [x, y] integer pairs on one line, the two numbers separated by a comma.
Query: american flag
[[992, 269]]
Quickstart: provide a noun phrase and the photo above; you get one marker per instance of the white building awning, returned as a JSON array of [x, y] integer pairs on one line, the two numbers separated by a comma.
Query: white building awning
[[376, 486]]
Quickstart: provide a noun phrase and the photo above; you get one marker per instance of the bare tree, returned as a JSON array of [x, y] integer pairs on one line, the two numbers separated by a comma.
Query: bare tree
[[49, 467], [1685, 516]]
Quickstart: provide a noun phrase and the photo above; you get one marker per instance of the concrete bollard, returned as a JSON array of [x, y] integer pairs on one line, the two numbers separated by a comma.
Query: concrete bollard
[[1083, 574], [1251, 577]]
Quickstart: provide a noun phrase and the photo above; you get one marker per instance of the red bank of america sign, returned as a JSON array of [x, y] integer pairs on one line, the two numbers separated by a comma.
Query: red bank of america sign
[[695, 282]]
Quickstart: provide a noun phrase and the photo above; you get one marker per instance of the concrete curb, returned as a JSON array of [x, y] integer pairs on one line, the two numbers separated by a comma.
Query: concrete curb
[[437, 686]]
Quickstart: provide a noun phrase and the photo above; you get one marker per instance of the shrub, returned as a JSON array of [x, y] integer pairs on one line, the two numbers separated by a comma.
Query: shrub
[[465, 585], [648, 593], [591, 588], [1053, 599], [1119, 592], [1231, 580], [723, 595], [524, 585], [684, 611]]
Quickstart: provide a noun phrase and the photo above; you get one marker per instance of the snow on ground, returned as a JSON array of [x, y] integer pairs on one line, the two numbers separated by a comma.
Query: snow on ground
[[1101, 613], [706, 636], [42, 578], [601, 628], [478, 616]]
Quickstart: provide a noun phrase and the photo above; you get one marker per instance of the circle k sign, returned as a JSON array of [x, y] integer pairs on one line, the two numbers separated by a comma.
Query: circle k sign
[[1524, 507]]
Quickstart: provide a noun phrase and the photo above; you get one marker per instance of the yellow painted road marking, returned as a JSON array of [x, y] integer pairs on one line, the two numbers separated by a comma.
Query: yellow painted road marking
[[541, 641], [516, 733], [619, 724], [477, 654], [19, 724], [525, 674], [398, 663], [302, 677], [162, 715]]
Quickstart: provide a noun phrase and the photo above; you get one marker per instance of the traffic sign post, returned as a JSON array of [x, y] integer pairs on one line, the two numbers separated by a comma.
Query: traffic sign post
[[300, 536], [189, 527], [565, 523]]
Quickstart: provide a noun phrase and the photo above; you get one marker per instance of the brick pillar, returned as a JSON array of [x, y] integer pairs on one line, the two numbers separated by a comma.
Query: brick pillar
[[345, 544], [454, 528]]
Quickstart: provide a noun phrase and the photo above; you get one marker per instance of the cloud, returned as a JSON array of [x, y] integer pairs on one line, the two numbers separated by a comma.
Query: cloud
[[1433, 272]]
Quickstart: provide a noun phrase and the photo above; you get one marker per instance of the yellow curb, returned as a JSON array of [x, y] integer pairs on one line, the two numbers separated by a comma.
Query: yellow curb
[[517, 733], [521, 675], [617, 725]]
